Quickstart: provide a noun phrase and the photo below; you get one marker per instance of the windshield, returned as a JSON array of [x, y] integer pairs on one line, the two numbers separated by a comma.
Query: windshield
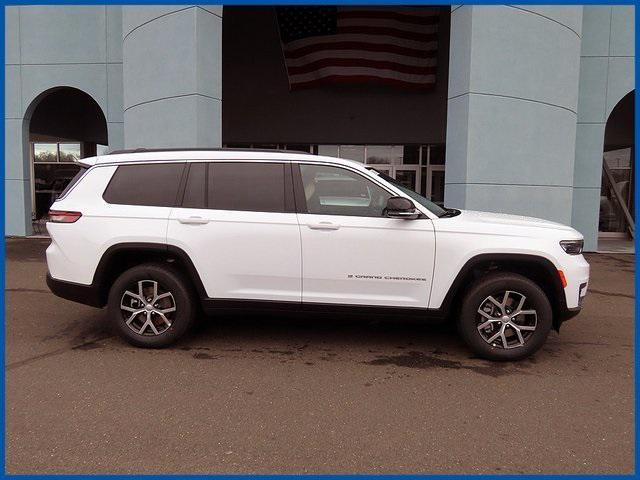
[[428, 204]]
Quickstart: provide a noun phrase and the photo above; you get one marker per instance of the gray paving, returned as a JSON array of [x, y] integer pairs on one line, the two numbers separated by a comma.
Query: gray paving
[[270, 394]]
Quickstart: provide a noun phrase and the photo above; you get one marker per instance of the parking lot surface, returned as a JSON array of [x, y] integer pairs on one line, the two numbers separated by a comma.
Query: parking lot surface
[[250, 393]]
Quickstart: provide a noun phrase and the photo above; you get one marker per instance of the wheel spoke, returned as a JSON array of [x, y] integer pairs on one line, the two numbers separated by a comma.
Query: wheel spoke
[[151, 324], [505, 299], [526, 328], [133, 315], [141, 290], [485, 315], [487, 323], [521, 304], [503, 337], [134, 295], [519, 334], [155, 291], [164, 318], [167, 310], [496, 303], [160, 297], [493, 338]]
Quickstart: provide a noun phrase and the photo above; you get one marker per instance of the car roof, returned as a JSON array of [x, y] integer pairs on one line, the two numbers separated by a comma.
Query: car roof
[[186, 155]]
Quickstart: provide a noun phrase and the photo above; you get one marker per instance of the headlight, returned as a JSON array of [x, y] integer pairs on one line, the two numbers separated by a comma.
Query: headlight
[[572, 247]]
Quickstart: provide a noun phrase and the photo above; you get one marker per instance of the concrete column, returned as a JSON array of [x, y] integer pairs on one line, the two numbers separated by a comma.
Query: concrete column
[[607, 74], [172, 76], [512, 102], [17, 171]]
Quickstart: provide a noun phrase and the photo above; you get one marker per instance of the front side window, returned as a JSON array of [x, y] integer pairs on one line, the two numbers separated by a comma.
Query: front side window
[[250, 186], [153, 185], [338, 191]]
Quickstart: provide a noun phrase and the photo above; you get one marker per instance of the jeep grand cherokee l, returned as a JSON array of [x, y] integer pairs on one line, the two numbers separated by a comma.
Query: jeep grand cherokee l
[[153, 235]]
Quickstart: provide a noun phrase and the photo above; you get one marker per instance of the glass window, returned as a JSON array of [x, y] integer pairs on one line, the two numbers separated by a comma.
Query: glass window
[[337, 191], [437, 187], [45, 152], [195, 188], [49, 181], [436, 155], [387, 154], [411, 155], [251, 186], [153, 185], [352, 152], [73, 181], [69, 152], [328, 150], [299, 147]]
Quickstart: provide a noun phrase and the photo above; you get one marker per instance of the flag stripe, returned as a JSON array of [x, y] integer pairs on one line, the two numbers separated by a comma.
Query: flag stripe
[[386, 22], [348, 62], [360, 54], [360, 79], [351, 71], [413, 19], [367, 47], [359, 38], [392, 32]]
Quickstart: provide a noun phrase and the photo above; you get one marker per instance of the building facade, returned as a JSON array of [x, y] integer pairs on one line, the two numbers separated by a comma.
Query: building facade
[[531, 113]]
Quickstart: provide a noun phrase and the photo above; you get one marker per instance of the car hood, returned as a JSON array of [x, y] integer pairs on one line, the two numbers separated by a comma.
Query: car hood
[[481, 221]]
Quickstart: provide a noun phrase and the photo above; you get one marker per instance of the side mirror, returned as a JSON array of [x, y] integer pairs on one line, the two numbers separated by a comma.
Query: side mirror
[[400, 207]]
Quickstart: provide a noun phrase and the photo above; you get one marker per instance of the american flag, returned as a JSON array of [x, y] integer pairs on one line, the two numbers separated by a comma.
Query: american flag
[[356, 45]]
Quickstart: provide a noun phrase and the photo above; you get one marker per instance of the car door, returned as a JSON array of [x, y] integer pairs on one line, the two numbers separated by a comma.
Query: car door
[[351, 252], [237, 222]]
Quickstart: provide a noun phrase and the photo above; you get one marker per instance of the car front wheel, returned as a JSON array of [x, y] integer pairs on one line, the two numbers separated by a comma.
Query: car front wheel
[[151, 306], [505, 316]]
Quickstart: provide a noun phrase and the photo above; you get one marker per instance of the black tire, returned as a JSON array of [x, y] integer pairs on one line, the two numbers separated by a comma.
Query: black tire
[[495, 285], [168, 280]]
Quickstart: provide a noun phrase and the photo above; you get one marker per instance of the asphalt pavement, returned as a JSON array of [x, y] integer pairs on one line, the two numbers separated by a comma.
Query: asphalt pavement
[[251, 393]]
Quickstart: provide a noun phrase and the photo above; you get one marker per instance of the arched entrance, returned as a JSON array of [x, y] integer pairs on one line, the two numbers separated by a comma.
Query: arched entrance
[[617, 209], [63, 125]]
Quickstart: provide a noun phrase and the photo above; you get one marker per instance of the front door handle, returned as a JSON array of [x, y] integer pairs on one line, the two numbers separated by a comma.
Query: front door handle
[[193, 220], [323, 226]]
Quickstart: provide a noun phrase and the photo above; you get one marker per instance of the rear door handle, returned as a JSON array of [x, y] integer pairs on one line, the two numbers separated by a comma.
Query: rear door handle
[[323, 226], [193, 220]]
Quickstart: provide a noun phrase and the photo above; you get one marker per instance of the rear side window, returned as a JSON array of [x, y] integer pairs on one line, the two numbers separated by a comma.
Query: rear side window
[[254, 187], [153, 185]]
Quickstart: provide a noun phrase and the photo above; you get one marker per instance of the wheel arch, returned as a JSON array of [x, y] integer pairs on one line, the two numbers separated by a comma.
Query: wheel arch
[[122, 256], [537, 268]]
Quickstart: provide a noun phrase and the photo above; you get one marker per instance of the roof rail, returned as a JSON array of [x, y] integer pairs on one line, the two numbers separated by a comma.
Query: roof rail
[[215, 149]]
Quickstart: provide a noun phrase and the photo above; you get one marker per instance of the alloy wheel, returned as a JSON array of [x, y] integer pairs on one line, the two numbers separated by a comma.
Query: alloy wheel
[[505, 321], [147, 308]]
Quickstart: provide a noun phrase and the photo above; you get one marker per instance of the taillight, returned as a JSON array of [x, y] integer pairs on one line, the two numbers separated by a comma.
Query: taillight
[[58, 216]]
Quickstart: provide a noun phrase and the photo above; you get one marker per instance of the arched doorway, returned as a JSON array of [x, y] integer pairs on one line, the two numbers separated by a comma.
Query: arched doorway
[[64, 124], [617, 209]]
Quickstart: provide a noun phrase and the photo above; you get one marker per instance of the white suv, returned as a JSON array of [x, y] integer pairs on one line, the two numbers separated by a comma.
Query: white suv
[[153, 235]]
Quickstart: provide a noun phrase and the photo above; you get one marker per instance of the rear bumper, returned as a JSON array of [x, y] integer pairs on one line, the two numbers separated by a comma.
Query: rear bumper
[[76, 292]]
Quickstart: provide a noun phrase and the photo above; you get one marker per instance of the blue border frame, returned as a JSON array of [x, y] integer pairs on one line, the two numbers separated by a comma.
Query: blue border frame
[[311, 2]]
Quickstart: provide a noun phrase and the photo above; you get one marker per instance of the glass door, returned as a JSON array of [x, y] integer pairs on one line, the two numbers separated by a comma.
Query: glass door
[[408, 175], [435, 184]]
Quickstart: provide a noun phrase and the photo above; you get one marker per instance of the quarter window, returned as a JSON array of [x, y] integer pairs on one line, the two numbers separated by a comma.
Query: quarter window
[[154, 185], [337, 191]]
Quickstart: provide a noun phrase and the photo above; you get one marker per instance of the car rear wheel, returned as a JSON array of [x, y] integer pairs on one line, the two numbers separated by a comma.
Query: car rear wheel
[[151, 306], [505, 316]]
